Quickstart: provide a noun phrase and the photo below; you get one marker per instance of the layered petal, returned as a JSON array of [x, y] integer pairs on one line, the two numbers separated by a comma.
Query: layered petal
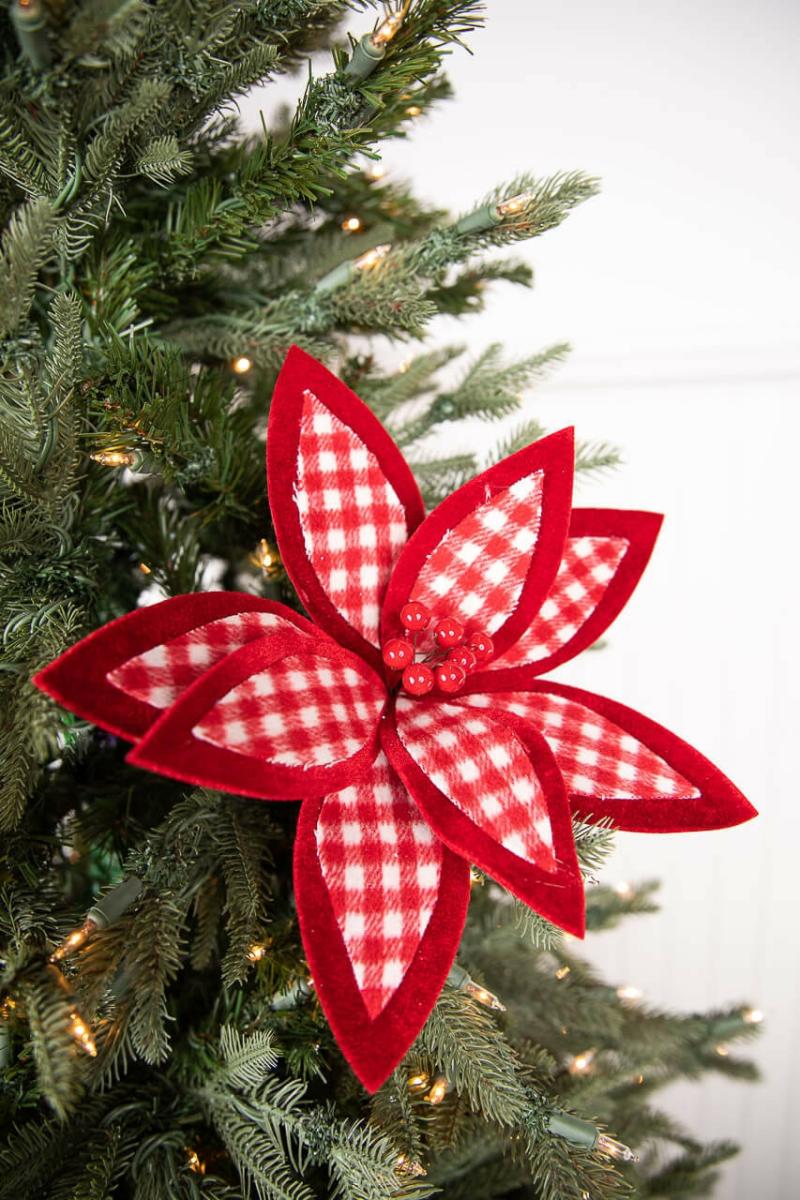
[[492, 792], [381, 904], [343, 500], [604, 557], [284, 717], [489, 553], [618, 764], [122, 676]]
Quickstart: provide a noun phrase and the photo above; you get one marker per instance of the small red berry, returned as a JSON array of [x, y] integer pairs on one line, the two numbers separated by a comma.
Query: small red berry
[[397, 653], [448, 632], [450, 677], [464, 657], [415, 616], [418, 679], [481, 646]]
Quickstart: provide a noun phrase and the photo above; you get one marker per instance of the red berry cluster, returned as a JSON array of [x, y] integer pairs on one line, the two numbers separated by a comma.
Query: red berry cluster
[[462, 652]]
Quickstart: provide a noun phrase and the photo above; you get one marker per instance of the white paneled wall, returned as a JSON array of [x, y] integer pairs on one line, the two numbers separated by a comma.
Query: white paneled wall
[[678, 289]]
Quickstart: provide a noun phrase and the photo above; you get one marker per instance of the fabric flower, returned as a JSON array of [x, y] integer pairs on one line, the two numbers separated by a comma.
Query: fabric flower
[[409, 714]]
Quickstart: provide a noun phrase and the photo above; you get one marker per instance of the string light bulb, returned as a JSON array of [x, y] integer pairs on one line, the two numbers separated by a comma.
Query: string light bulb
[[389, 26], [413, 110], [494, 213], [345, 271], [476, 877], [370, 51], [115, 458], [418, 1082], [352, 224], [372, 258], [241, 364], [256, 952], [439, 1089], [483, 996], [74, 940], [583, 1133], [461, 980], [722, 1050], [81, 1033], [408, 1166], [195, 1162], [562, 972], [582, 1064], [109, 908], [515, 204], [375, 172], [630, 995], [752, 1016], [266, 558], [623, 889], [610, 1147]]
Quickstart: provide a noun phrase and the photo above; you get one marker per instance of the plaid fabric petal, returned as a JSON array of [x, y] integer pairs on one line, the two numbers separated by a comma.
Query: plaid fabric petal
[[382, 866], [484, 769], [162, 673], [587, 568], [353, 523], [477, 571], [597, 758], [302, 710]]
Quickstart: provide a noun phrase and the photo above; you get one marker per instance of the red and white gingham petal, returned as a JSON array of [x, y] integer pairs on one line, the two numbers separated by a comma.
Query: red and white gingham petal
[[159, 675], [382, 866], [604, 557], [353, 523], [588, 566], [381, 904], [123, 675], [484, 769], [489, 553], [300, 711], [596, 757], [283, 717], [477, 571], [343, 501]]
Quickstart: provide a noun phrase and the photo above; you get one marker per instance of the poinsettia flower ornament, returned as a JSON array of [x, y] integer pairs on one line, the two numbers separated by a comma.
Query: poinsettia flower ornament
[[409, 714]]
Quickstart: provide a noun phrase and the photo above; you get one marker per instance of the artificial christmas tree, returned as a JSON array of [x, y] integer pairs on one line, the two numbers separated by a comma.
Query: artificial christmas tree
[[157, 269]]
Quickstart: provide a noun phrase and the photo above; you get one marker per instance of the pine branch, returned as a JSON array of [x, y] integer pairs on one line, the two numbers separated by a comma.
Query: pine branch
[[152, 958], [163, 161], [591, 458], [27, 241], [48, 1009], [247, 1060], [463, 1040]]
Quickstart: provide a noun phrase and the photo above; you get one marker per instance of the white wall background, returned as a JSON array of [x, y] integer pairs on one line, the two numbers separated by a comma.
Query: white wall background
[[678, 290]]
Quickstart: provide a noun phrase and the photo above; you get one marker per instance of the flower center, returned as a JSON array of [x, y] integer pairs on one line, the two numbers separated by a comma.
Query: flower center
[[449, 652]]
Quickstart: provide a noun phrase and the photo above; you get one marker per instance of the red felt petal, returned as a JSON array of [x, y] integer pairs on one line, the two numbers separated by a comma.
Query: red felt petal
[[619, 764], [489, 553], [604, 557], [343, 500], [381, 906], [284, 717], [123, 675], [493, 793]]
